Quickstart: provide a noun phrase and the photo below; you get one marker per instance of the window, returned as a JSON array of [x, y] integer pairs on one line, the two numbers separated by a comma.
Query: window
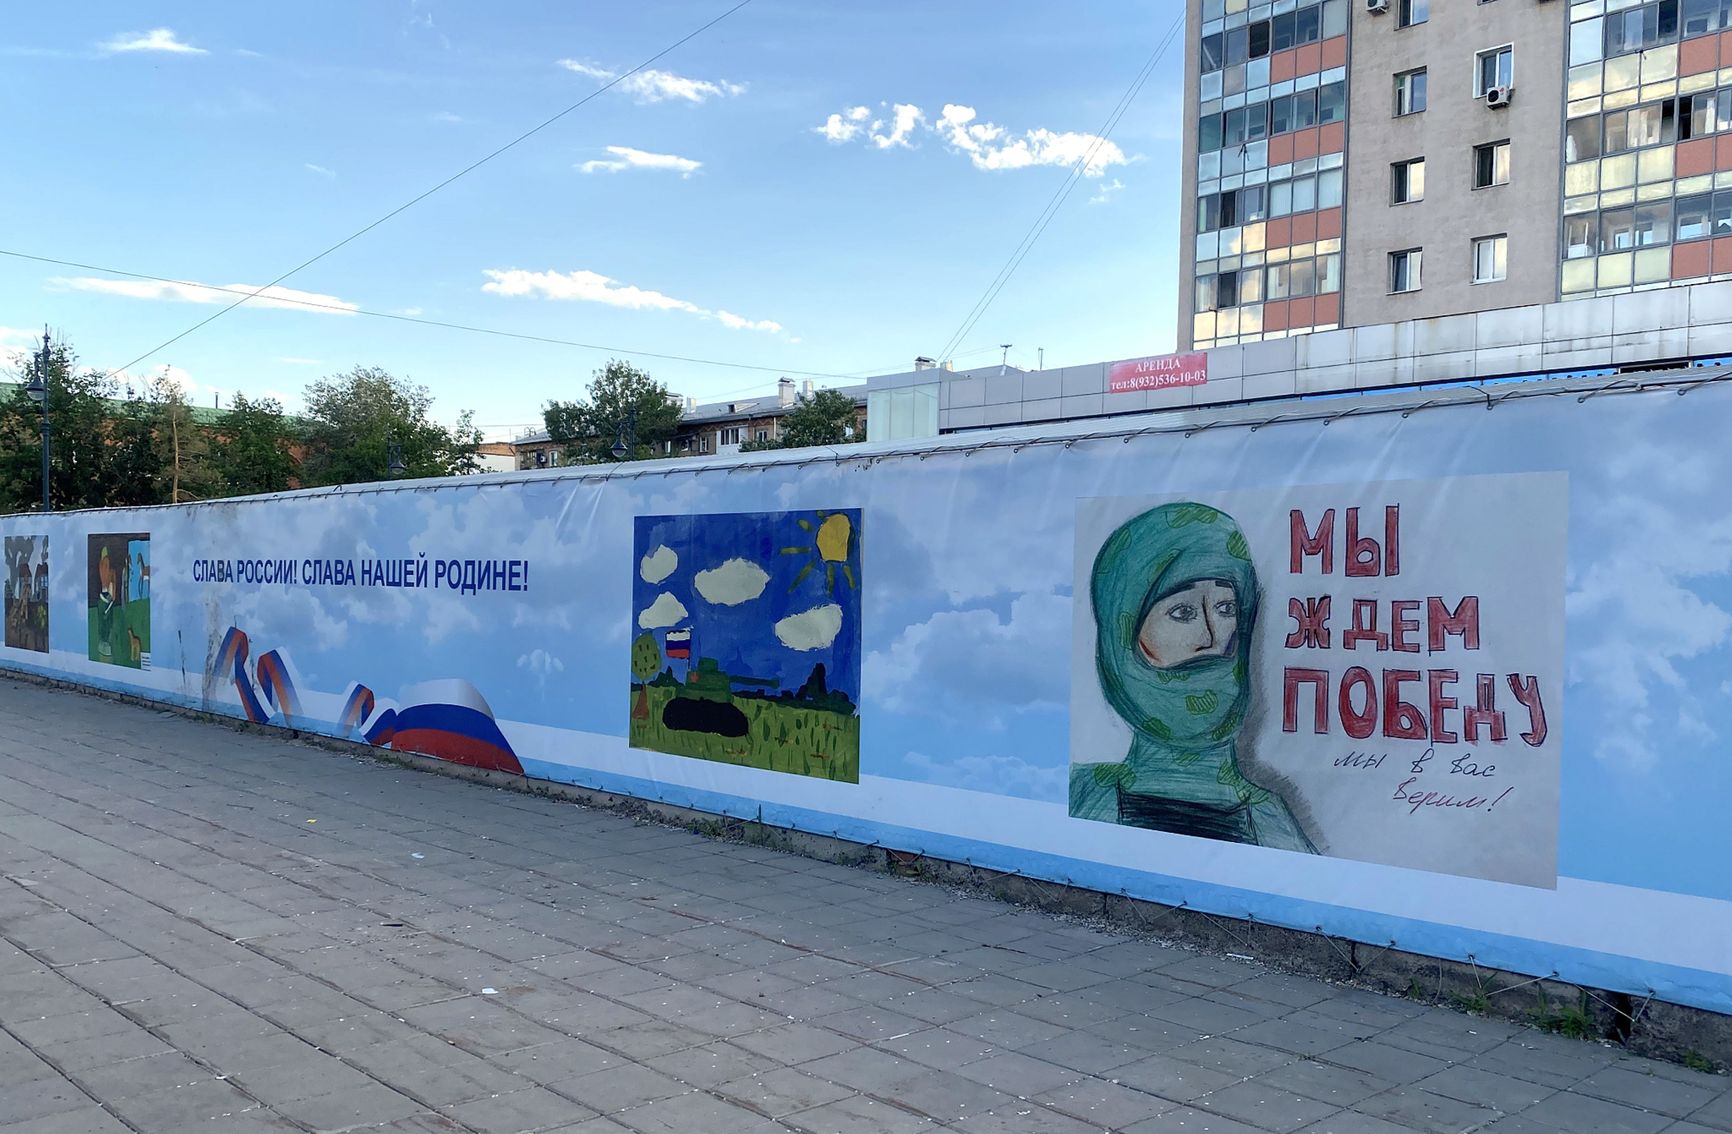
[[1582, 139], [1259, 46], [1494, 68], [1410, 92], [1639, 28], [1490, 258], [1412, 12], [1209, 133], [1404, 270], [1578, 236], [1693, 215], [1407, 181], [1332, 101], [1491, 164], [731, 435], [1212, 59], [761, 435]]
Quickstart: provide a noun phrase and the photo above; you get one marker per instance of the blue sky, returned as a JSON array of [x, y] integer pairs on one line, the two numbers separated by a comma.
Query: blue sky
[[723, 213]]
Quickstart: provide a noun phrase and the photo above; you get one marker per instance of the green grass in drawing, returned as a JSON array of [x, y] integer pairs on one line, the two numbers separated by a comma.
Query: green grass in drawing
[[779, 738]]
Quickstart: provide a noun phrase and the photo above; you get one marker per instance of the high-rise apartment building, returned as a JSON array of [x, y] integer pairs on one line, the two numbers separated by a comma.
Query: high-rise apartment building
[[1356, 162]]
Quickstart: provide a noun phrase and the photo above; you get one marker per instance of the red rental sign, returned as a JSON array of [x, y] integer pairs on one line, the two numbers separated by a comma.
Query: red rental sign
[[1160, 372]]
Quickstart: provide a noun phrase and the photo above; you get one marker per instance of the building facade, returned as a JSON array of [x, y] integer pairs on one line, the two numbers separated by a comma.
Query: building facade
[[1365, 162]]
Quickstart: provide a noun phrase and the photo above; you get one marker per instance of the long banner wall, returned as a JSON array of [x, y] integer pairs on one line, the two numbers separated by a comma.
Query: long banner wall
[[1454, 680]]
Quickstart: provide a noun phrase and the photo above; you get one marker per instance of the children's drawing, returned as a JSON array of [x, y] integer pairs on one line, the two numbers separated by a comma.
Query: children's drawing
[[118, 572], [26, 614], [746, 640], [1175, 605]]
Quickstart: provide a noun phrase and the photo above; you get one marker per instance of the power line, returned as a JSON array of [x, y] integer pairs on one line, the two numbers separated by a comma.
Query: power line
[[466, 327], [1062, 194], [470, 168]]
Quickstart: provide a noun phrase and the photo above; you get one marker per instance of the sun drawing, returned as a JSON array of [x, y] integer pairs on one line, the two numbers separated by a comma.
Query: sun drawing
[[834, 541]]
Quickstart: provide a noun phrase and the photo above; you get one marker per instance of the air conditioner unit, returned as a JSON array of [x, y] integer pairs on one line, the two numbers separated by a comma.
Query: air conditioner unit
[[1498, 97], [1377, 7]]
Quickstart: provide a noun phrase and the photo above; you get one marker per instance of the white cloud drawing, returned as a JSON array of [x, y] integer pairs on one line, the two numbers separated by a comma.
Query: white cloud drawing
[[732, 583], [811, 629], [666, 610], [659, 564]]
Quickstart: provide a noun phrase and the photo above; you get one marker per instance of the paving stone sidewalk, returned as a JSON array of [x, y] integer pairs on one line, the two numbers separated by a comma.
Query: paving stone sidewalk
[[207, 930]]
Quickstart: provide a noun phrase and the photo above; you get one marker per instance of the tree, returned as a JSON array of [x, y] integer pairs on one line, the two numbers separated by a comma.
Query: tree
[[354, 420], [101, 449], [646, 660], [187, 467], [254, 447], [827, 417], [623, 401]]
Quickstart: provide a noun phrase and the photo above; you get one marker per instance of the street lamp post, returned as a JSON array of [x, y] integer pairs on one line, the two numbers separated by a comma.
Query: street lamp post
[[395, 466], [627, 437], [38, 391]]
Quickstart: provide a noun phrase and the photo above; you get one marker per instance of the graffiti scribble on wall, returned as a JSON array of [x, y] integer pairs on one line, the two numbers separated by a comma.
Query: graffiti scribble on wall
[[118, 572], [746, 646], [26, 611]]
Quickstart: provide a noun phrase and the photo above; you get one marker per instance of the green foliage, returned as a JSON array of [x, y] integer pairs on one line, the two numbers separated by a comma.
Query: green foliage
[[102, 452], [1571, 1020], [1474, 1003], [827, 417], [354, 419], [1696, 1061], [254, 447], [183, 453], [646, 657], [622, 401]]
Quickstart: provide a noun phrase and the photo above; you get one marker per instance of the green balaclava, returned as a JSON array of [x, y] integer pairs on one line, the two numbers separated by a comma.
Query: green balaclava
[[1181, 773]]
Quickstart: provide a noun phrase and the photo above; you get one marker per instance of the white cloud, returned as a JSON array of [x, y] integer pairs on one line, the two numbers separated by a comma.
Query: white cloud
[[284, 297], [999, 775], [658, 86], [659, 564], [588, 69], [844, 127], [446, 117], [582, 287], [666, 610], [734, 582], [156, 39], [740, 323], [811, 629], [625, 157], [410, 312], [906, 117], [987, 145], [320, 170], [1107, 192], [991, 147], [541, 665], [592, 287], [977, 658]]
